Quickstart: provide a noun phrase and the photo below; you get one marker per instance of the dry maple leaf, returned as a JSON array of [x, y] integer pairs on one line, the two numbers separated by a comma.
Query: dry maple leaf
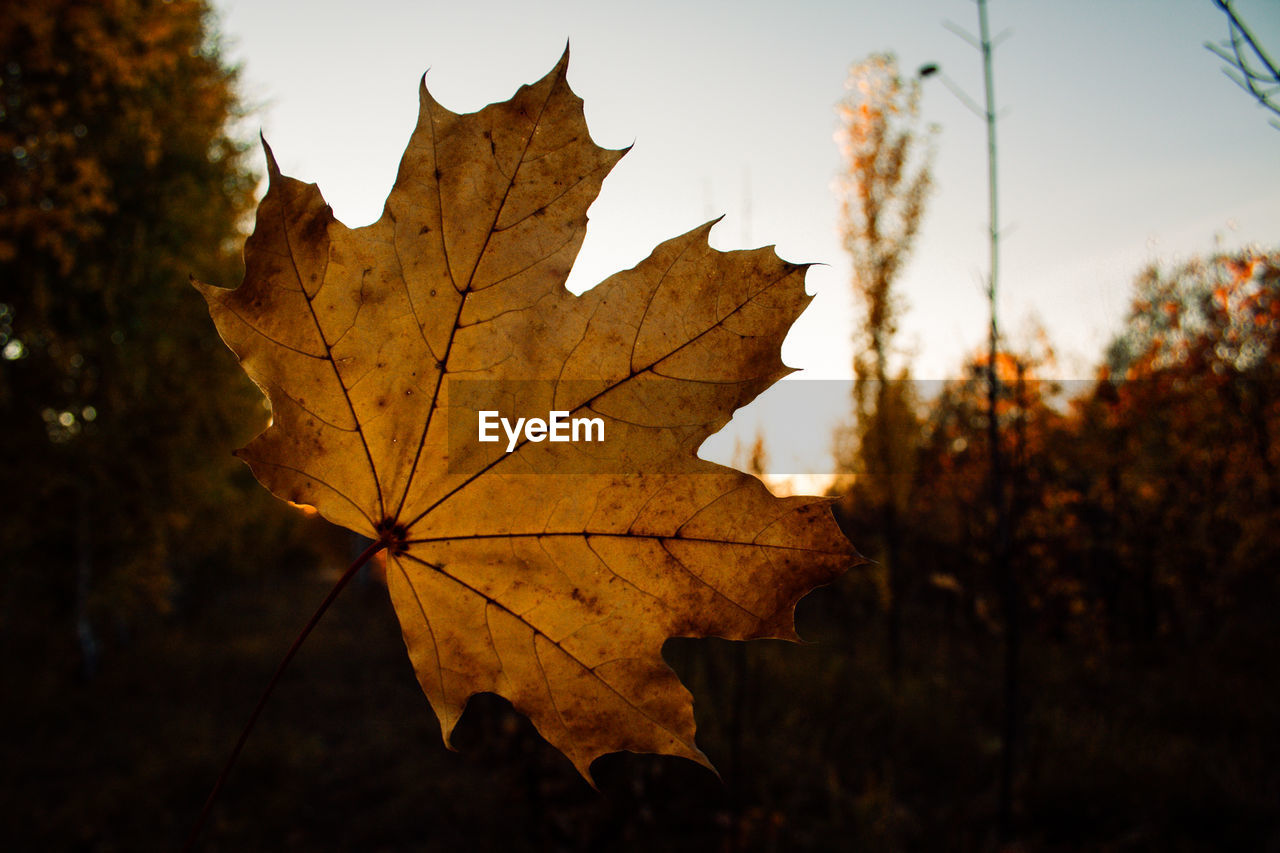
[[555, 590]]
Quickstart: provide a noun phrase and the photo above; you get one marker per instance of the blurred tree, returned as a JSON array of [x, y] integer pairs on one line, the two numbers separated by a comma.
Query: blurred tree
[[882, 192], [1190, 390], [1144, 509], [1219, 314], [949, 509], [119, 178]]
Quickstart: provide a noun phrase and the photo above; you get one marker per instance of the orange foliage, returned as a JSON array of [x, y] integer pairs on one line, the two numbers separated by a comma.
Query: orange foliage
[[1144, 505], [81, 99]]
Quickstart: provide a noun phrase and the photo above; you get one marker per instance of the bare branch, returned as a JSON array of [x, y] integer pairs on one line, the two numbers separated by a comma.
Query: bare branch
[[1250, 67]]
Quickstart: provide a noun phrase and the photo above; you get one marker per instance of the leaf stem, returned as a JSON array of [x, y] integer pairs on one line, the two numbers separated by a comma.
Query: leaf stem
[[364, 557]]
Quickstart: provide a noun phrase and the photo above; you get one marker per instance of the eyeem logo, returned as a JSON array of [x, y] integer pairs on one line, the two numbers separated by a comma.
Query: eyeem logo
[[557, 427]]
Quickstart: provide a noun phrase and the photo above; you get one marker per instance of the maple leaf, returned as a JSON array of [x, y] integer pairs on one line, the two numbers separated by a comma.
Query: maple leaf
[[555, 590]]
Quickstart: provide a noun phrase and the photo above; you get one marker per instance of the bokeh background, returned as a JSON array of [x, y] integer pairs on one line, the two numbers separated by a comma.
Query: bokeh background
[[1078, 654]]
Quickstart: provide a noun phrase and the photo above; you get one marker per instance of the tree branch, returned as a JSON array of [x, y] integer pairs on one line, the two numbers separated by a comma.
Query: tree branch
[[1244, 54]]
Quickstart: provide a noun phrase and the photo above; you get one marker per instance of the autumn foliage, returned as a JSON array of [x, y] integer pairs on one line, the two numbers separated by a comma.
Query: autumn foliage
[[1143, 508], [882, 187], [1143, 505], [1143, 500], [120, 176]]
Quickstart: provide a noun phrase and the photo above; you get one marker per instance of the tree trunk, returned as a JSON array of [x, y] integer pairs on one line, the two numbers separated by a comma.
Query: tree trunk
[[86, 637]]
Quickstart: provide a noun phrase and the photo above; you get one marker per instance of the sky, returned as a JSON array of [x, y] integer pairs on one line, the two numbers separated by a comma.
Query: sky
[[1121, 143]]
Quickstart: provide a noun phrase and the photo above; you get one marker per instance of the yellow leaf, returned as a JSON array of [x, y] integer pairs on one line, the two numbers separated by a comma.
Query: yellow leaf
[[553, 573]]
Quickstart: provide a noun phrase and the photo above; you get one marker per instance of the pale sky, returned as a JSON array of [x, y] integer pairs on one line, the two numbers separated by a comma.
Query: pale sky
[[1121, 143]]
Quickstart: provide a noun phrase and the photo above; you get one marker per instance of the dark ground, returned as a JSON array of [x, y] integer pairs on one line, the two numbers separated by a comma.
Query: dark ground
[[1178, 753]]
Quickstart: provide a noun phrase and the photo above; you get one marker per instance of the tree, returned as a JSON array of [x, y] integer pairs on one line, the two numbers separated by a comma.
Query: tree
[[119, 179], [882, 192], [1143, 511], [949, 507], [1220, 314], [1191, 388]]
